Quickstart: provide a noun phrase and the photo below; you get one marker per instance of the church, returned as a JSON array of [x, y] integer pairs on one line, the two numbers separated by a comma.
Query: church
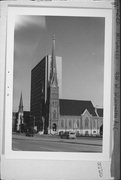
[[80, 116], [49, 113], [53, 114]]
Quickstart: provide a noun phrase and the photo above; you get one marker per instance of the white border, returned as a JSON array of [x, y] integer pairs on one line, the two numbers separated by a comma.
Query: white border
[[108, 115]]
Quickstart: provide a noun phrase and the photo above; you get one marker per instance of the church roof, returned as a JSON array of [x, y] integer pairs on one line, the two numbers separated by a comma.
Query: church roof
[[100, 112], [75, 107]]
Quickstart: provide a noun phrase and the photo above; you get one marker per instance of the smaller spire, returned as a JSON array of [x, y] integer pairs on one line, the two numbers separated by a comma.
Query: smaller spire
[[21, 104]]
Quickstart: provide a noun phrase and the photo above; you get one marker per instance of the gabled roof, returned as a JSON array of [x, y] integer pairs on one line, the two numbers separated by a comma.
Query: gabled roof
[[85, 112], [100, 112], [75, 107]]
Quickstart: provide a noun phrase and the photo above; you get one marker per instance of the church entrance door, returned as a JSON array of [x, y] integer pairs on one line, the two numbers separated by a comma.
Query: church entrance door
[[54, 127]]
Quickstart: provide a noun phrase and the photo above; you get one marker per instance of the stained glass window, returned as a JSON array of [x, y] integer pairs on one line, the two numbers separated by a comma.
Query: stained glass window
[[86, 123]]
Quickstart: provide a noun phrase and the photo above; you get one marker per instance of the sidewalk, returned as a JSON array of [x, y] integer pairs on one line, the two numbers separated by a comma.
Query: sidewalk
[[57, 139]]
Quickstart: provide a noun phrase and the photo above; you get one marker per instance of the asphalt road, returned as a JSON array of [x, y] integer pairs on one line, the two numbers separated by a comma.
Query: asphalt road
[[55, 144]]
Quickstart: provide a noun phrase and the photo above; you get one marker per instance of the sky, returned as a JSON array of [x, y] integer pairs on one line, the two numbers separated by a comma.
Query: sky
[[80, 43]]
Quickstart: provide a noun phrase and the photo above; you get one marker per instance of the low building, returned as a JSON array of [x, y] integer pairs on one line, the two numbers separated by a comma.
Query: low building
[[27, 121]]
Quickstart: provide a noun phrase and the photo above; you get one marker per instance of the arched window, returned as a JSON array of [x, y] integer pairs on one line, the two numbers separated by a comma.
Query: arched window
[[62, 123], [54, 127], [54, 114], [66, 124], [86, 123], [77, 123], [94, 124], [70, 124]]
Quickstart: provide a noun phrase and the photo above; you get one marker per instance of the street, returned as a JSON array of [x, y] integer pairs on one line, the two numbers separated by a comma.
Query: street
[[55, 144]]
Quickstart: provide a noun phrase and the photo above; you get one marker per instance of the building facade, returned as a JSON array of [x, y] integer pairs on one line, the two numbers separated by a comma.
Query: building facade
[[38, 93], [27, 121], [79, 116]]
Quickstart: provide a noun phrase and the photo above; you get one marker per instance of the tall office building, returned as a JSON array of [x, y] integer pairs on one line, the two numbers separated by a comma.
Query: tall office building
[[41, 80]]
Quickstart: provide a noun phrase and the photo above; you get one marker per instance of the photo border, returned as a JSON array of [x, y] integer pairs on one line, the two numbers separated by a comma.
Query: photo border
[[74, 8]]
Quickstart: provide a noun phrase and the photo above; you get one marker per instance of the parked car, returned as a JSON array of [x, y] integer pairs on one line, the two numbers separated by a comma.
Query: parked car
[[68, 135], [30, 132], [61, 132], [72, 135], [78, 134]]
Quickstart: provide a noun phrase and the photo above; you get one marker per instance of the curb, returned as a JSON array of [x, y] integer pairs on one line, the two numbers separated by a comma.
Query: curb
[[52, 140]]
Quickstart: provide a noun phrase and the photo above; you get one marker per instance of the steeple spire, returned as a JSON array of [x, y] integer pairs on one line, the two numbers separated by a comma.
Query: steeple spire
[[53, 47], [21, 104], [53, 95], [53, 71], [20, 119]]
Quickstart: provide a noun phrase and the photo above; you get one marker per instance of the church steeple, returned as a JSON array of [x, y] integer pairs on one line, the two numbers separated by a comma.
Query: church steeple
[[53, 70], [21, 104], [20, 120], [53, 94]]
